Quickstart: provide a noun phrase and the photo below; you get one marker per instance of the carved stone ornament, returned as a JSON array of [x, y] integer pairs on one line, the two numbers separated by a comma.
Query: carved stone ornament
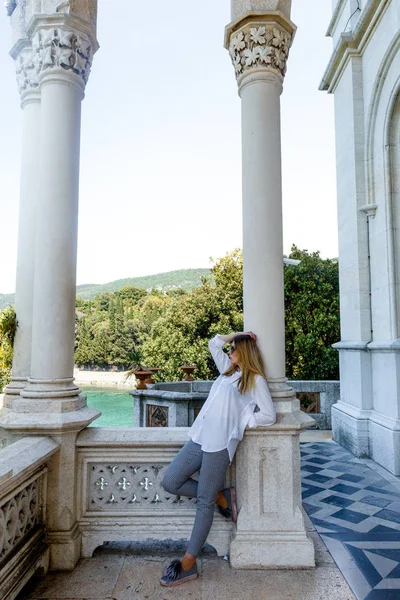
[[27, 69], [17, 517], [260, 46], [131, 487], [54, 48], [10, 5]]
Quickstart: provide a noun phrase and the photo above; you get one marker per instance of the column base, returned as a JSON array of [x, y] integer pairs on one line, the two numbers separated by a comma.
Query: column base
[[20, 404], [272, 551], [47, 406], [42, 389], [350, 429], [368, 434], [65, 549], [13, 390]]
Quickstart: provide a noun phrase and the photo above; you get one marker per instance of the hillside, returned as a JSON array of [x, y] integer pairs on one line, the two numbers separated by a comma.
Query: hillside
[[6, 299], [184, 278]]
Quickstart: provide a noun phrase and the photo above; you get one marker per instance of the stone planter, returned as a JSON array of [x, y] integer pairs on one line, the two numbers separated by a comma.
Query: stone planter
[[141, 376], [153, 371]]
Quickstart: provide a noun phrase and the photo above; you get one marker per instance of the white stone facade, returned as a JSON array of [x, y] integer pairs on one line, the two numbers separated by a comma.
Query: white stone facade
[[363, 74]]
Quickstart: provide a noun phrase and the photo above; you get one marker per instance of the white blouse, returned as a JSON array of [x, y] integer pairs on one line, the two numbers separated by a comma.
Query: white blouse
[[226, 413]]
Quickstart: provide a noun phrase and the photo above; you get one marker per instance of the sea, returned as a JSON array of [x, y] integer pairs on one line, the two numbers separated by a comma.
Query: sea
[[115, 404]]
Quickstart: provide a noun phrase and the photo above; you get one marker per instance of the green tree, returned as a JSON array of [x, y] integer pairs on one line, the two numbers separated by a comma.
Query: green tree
[[131, 295], [180, 335], [101, 344], [172, 328], [84, 353], [102, 301], [8, 328], [312, 316]]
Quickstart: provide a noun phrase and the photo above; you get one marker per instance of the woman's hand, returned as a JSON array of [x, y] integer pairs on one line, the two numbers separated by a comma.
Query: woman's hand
[[251, 334], [228, 338]]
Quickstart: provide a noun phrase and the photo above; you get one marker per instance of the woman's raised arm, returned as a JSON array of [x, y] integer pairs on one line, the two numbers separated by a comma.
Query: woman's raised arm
[[220, 357]]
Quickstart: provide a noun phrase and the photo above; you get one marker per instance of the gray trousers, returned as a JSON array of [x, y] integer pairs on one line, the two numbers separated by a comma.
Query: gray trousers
[[177, 480]]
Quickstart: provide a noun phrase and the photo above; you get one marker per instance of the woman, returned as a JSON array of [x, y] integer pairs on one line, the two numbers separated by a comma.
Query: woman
[[214, 436]]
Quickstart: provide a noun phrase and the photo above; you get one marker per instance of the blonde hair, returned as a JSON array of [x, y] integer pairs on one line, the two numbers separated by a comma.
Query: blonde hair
[[250, 361]]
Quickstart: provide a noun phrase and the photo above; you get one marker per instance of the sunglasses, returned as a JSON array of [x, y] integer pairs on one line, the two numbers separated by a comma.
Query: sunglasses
[[231, 349]]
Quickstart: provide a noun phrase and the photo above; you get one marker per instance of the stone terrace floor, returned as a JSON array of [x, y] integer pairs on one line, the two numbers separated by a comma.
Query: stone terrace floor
[[354, 507]]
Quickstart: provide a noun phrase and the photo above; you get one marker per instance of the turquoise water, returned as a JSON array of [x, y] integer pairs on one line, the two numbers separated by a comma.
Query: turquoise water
[[116, 406]]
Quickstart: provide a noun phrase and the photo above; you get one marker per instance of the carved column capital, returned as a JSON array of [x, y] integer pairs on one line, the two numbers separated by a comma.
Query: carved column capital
[[55, 45], [259, 46], [27, 71], [61, 50]]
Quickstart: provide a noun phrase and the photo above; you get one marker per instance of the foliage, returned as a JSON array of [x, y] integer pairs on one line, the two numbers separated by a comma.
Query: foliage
[[8, 328], [312, 317], [8, 325], [172, 282], [185, 279], [166, 329], [180, 335]]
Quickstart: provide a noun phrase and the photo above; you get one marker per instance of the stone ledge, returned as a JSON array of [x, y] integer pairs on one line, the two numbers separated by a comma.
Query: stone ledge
[[23, 457]]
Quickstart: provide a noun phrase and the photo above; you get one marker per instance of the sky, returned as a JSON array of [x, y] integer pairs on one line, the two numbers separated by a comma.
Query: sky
[[160, 178]]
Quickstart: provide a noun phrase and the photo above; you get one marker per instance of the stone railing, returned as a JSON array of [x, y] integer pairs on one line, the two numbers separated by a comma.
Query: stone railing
[[326, 393], [120, 497], [176, 404], [23, 488]]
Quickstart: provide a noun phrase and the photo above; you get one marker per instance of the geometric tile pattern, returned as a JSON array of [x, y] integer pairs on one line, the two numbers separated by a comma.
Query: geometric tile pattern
[[357, 514]]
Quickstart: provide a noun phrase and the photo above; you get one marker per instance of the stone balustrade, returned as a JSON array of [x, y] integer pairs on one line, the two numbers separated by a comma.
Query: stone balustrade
[[176, 404], [23, 491], [120, 497]]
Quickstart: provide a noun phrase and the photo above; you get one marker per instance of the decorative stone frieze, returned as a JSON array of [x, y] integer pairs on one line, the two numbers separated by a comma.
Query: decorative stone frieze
[[257, 45], [18, 516], [122, 486]]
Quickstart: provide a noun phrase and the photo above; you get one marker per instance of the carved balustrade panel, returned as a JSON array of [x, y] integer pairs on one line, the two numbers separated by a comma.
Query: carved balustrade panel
[[19, 515], [122, 486]]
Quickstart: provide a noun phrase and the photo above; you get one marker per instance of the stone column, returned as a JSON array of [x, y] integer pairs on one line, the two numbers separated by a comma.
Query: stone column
[[51, 404], [270, 529], [63, 54], [51, 381], [27, 79]]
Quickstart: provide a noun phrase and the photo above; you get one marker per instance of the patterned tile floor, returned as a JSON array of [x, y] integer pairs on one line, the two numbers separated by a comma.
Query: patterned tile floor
[[355, 506]]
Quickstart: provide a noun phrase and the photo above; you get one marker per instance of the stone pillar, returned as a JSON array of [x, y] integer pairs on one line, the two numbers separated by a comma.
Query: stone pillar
[[27, 79], [62, 54], [63, 44], [51, 381], [270, 529]]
